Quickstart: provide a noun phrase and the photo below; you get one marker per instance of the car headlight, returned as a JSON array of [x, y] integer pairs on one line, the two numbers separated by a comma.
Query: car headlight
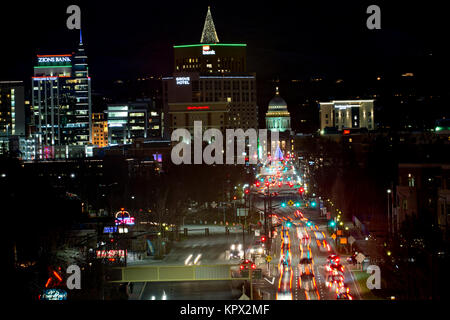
[[251, 250], [240, 247], [260, 250], [233, 247]]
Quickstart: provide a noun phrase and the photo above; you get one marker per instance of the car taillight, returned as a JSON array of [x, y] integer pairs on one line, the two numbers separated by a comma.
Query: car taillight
[[253, 266], [242, 267]]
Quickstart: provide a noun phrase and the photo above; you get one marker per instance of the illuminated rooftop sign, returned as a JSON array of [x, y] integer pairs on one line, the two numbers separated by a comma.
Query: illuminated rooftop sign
[[183, 81], [207, 50], [53, 59], [198, 108], [62, 60]]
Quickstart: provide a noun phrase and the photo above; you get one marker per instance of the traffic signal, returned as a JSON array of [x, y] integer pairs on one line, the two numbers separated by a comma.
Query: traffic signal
[[263, 238], [301, 190], [258, 183], [332, 223], [283, 204], [247, 191], [313, 204], [297, 204], [288, 224]]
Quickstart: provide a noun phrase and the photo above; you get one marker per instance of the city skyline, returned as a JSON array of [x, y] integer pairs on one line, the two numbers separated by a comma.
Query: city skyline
[[225, 151], [314, 39]]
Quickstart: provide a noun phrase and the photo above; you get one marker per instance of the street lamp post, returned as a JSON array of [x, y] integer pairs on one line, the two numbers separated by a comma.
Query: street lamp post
[[389, 191]]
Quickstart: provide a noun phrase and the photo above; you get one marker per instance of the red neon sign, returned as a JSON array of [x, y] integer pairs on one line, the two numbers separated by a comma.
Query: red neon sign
[[346, 131], [198, 108], [53, 55], [110, 254]]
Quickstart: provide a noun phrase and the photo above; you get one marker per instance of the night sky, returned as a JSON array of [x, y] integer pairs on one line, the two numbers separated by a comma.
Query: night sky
[[286, 39]]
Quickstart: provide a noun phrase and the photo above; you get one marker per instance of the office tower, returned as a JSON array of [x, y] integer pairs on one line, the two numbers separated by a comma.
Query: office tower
[[61, 102], [12, 108], [209, 73], [81, 115], [127, 122]]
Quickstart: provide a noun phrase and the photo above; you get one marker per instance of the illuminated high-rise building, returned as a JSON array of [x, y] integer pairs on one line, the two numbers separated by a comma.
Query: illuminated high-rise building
[[61, 102], [12, 108], [209, 73], [81, 115]]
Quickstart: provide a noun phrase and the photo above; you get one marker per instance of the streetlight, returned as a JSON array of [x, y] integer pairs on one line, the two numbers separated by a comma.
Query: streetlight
[[389, 191]]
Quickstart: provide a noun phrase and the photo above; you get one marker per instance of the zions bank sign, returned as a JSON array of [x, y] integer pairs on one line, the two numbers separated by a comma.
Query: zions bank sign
[[54, 60]]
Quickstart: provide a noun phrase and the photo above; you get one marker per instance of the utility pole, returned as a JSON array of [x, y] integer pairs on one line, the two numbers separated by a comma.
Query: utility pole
[[243, 225]]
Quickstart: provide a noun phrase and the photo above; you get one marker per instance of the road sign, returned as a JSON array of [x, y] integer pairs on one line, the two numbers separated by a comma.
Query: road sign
[[351, 240], [339, 232], [290, 203], [257, 233], [343, 240], [360, 257], [268, 258], [271, 282], [333, 236], [241, 212]]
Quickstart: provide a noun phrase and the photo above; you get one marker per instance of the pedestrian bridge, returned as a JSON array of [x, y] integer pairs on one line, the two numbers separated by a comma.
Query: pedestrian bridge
[[176, 273]]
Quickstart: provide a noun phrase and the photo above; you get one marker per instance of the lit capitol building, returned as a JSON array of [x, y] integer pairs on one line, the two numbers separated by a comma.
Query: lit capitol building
[[278, 116]]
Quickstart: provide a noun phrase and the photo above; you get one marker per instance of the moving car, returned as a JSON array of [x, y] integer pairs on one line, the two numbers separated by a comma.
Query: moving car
[[305, 265], [335, 269], [255, 250], [236, 251], [334, 282], [246, 265], [344, 296], [307, 282]]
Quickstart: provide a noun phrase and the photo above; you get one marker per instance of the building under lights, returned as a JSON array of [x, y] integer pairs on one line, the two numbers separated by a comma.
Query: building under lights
[[127, 122], [61, 104], [99, 130], [346, 114], [278, 119], [210, 83], [12, 116]]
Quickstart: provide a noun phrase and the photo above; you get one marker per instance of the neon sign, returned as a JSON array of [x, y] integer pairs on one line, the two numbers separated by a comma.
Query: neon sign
[[183, 81], [109, 229], [54, 294], [124, 218], [129, 221], [110, 254], [198, 108]]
